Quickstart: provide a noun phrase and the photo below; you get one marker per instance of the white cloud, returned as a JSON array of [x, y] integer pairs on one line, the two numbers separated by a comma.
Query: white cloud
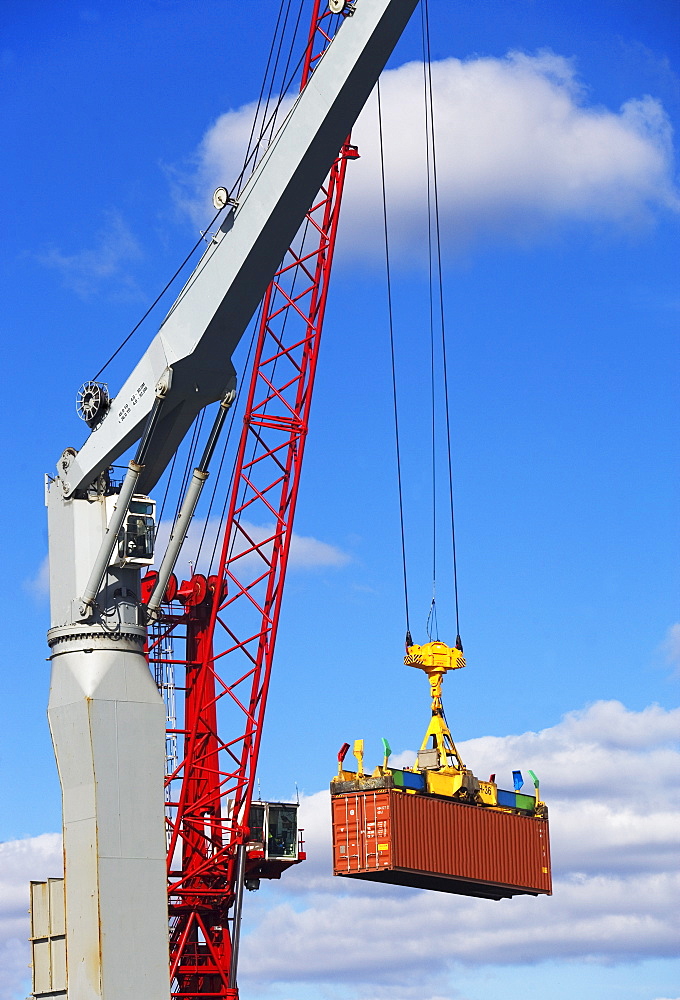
[[519, 150], [39, 585], [405, 758], [21, 861], [306, 552], [86, 271], [609, 776], [218, 160], [671, 647]]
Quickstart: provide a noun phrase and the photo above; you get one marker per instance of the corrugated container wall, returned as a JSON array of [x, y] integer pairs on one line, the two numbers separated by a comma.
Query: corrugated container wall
[[388, 835]]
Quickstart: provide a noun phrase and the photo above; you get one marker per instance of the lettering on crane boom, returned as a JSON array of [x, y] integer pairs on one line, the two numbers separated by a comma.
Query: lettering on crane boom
[[125, 410]]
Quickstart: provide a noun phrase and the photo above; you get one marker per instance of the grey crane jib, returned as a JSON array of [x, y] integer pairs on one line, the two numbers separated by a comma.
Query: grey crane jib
[[196, 341]]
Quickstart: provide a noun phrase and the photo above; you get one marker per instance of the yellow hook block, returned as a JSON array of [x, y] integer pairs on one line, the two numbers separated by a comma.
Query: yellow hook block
[[434, 656], [436, 659]]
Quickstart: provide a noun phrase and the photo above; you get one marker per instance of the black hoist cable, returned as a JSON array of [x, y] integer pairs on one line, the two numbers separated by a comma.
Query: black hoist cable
[[267, 126], [157, 299], [259, 100], [431, 624], [437, 227], [393, 362]]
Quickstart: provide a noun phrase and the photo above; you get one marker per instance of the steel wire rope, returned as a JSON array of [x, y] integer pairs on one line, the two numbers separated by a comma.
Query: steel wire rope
[[284, 86], [432, 621], [224, 452], [168, 480], [189, 463], [236, 189], [291, 48], [157, 299], [435, 189], [281, 36], [256, 439], [268, 124], [259, 100], [236, 186], [393, 364], [251, 155]]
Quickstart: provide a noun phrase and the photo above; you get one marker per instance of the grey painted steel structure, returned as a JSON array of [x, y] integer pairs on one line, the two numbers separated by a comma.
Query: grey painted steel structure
[[106, 715]]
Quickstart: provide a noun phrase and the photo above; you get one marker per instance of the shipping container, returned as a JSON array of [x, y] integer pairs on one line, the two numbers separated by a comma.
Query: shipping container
[[389, 835]]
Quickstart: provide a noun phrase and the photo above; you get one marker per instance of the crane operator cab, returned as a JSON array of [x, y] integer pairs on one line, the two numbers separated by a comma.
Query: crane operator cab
[[136, 539], [274, 843]]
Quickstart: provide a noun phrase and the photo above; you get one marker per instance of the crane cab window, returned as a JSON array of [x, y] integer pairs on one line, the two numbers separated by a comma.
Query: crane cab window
[[137, 536], [282, 833], [273, 827], [257, 824]]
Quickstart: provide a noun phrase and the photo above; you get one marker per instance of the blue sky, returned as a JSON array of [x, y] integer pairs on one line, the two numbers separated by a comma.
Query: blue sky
[[560, 212]]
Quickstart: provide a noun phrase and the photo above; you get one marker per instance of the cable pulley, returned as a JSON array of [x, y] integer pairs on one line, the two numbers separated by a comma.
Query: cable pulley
[[221, 198], [92, 402]]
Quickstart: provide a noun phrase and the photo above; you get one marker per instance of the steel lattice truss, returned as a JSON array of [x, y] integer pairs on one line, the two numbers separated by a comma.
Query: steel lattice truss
[[227, 624]]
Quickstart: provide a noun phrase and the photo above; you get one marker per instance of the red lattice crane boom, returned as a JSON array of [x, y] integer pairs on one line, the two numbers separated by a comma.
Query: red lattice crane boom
[[230, 620]]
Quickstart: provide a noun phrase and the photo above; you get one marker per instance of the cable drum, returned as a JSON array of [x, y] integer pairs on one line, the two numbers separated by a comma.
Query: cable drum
[[92, 402]]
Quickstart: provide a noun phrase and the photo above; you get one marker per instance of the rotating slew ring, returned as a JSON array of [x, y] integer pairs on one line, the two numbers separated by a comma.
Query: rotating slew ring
[[92, 402]]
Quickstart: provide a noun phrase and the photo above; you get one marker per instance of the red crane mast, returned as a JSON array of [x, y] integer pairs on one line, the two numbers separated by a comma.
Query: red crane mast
[[228, 622]]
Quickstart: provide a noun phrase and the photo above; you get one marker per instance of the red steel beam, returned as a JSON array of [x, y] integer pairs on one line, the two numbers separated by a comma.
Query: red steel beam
[[229, 622]]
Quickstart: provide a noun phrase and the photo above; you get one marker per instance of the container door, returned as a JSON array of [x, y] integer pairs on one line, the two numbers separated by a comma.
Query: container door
[[377, 839], [361, 831], [346, 832]]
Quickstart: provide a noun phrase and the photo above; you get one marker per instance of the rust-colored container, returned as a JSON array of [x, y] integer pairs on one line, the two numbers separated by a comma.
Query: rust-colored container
[[391, 836]]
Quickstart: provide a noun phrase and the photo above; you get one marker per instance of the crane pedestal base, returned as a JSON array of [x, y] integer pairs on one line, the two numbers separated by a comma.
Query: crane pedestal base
[[108, 728]]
